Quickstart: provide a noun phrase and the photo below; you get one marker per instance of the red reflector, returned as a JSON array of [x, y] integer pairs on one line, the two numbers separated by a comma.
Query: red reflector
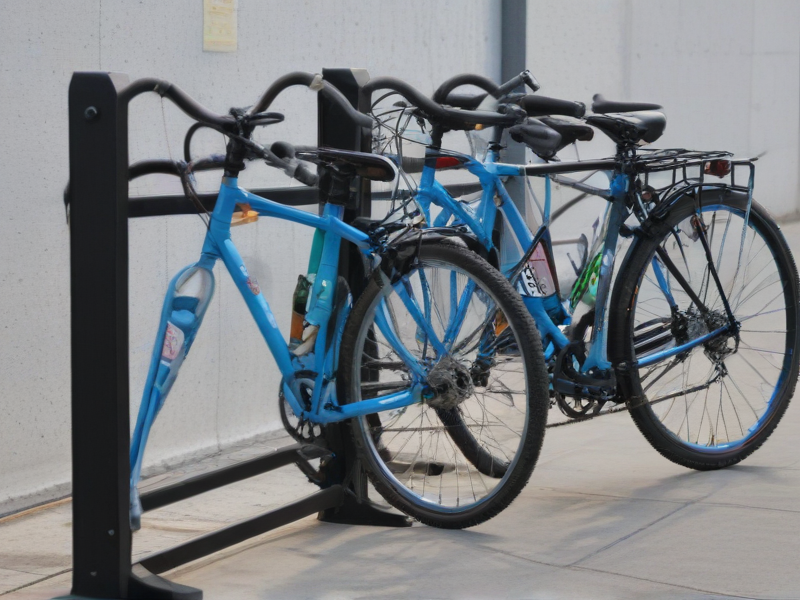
[[445, 162], [718, 168]]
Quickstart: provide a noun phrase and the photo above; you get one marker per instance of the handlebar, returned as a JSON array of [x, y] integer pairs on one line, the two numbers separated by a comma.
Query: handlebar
[[227, 123], [449, 117], [315, 83], [443, 92], [535, 106], [181, 99]]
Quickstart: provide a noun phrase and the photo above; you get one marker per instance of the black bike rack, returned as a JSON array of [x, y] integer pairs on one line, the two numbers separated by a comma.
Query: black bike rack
[[99, 209]]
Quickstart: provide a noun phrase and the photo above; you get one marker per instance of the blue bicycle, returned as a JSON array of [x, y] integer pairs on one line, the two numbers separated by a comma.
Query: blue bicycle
[[699, 334], [437, 365]]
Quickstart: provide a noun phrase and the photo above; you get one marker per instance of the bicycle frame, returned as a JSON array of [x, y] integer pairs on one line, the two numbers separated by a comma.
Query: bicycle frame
[[480, 219], [182, 317]]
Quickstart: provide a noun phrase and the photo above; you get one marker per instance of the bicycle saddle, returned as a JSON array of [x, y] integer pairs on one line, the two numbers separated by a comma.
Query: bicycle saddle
[[570, 132], [641, 127], [601, 106], [347, 162], [537, 136]]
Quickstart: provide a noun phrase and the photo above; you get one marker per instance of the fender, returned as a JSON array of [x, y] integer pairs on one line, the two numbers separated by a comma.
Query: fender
[[706, 193], [399, 257], [468, 239]]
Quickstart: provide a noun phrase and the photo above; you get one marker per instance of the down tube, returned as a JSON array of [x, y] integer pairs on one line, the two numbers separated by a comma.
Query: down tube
[[259, 308]]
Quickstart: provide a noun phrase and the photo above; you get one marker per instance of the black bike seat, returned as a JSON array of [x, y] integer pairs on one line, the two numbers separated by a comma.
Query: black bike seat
[[570, 132], [368, 166], [601, 106], [543, 140], [643, 127]]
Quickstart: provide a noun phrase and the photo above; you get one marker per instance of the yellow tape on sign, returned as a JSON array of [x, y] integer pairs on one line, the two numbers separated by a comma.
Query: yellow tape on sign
[[219, 25]]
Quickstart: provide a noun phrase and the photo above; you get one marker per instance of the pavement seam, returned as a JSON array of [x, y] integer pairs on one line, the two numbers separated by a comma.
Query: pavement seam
[[575, 567], [643, 499], [687, 587], [637, 531], [30, 583], [734, 505], [667, 501]]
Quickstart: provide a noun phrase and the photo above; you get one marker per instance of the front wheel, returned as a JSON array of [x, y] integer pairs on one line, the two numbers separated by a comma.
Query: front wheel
[[465, 452], [714, 404]]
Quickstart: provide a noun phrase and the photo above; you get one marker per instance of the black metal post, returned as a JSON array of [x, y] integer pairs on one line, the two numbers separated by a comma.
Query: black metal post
[[99, 291], [101, 539], [336, 130]]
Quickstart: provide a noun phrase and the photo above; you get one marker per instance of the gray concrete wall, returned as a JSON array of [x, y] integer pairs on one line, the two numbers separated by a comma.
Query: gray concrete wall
[[728, 73]]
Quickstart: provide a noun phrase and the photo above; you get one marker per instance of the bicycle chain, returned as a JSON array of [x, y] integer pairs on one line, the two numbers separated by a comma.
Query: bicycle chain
[[619, 409]]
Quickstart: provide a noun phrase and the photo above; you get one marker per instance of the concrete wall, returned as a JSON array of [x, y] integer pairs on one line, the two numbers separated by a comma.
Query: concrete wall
[[228, 387], [727, 72]]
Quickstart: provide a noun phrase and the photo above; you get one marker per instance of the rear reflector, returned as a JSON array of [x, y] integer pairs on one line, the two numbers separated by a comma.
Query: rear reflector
[[718, 168], [446, 162]]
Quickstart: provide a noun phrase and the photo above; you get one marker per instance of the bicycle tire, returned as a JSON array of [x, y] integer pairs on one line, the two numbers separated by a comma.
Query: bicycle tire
[[718, 447], [377, 452]]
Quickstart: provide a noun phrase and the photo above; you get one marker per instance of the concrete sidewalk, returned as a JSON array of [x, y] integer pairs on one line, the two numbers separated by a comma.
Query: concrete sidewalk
[[604, 516]]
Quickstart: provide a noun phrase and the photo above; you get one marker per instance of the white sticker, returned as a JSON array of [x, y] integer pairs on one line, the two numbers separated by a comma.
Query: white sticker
[[253, 285], [530, 285]]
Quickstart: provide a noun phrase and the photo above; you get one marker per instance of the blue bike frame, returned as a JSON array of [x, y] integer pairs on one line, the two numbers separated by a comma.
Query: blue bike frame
[[480, 217], [182, 316]]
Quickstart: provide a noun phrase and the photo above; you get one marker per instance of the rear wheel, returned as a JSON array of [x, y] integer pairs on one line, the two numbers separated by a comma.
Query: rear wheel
[[463, 454], [715, 404]]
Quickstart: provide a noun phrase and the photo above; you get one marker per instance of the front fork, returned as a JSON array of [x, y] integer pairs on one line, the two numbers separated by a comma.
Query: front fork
[[185, 304]]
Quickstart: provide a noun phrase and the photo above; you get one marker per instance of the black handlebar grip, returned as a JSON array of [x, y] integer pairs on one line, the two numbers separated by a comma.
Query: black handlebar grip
[[283, 149], [287, 152], [305, 175], [542, 106]]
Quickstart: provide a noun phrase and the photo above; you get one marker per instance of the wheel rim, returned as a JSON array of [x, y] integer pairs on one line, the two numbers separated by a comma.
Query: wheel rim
[[412, 448], [718, 396]]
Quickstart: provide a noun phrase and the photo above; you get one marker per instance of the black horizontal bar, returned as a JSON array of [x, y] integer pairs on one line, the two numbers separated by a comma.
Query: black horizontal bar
[[178, 204], [160, 206], [243, 530], [227, 475], [571, 167]]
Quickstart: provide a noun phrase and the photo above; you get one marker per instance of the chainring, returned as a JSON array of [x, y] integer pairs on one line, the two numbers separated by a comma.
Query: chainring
[[579, 407], [300, 429]]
